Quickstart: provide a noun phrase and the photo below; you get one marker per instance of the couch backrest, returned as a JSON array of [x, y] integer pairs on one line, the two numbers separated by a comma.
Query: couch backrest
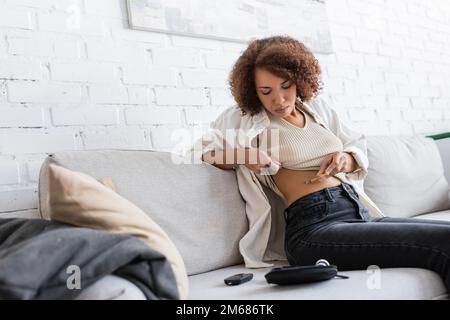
[[199, 206], [406, 176]]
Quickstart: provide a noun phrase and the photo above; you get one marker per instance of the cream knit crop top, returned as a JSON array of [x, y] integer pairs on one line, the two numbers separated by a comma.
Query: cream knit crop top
[[302, 148], [298, 148]]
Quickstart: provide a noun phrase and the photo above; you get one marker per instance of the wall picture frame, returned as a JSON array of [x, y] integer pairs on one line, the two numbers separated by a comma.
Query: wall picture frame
[[305, 20]]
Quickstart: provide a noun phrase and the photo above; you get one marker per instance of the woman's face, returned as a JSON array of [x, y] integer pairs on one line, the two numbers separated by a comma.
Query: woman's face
[[276, 94]]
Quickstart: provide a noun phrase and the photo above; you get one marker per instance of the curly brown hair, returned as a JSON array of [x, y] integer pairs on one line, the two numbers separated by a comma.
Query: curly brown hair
[[284, 57]]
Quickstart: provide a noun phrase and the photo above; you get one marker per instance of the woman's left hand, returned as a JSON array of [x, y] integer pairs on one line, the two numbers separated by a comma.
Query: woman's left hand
[[335, 163]]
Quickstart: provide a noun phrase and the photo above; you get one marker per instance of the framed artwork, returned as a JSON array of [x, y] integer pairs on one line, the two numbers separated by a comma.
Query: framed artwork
[[235, 20]]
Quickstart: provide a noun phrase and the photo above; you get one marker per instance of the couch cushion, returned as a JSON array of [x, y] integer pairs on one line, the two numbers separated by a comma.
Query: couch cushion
[[415, 284], [438, 215], [78, 199], [406, 176], [198, 206], [111, 287]]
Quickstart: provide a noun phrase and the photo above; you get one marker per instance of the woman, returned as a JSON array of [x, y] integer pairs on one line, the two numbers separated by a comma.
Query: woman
[[293, 143]]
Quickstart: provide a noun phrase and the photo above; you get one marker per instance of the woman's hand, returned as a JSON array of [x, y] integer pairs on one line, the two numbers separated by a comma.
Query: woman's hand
[[335, 163], [257, 159]]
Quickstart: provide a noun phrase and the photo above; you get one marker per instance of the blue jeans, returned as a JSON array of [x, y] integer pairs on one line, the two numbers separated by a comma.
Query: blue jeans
[[333, 224]]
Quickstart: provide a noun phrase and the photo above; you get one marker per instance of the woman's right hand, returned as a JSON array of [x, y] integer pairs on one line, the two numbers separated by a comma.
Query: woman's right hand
[[257, 159]]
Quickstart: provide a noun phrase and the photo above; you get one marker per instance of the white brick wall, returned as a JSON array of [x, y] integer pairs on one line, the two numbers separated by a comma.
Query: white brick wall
[[84, 116], [400, 54], [120, 138], [12, 68], [19, 116], [153, 115], [134, 73], [74, 76], [33, 142], [82, 72], [107, 94], [12, 18], [44, 92], [177, 96]]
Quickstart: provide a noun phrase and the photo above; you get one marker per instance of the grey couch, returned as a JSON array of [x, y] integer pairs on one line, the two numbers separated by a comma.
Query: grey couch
[[200, 208]]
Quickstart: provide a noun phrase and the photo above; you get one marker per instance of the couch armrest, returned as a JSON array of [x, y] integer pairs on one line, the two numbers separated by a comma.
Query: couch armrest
[[444, 150]]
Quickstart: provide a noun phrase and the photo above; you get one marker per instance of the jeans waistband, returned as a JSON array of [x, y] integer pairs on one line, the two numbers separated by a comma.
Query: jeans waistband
[[326, 193]]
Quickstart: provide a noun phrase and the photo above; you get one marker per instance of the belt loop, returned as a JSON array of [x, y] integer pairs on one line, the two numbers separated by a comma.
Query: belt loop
[[344, 185], [348, 191], [350, 188], [347, 188], [359, 205], [329, 195]]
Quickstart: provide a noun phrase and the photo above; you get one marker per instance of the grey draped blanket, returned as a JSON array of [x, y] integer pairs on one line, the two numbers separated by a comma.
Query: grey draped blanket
[[36, 255]]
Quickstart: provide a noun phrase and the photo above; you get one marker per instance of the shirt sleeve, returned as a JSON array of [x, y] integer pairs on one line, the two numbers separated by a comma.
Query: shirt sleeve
[[215, 139]]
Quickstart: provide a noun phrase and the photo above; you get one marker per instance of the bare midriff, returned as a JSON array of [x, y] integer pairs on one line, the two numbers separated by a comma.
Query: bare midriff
[[292, 185]]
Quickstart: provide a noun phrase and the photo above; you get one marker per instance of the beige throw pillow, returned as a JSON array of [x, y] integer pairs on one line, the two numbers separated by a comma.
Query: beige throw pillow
[[79, 199]]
